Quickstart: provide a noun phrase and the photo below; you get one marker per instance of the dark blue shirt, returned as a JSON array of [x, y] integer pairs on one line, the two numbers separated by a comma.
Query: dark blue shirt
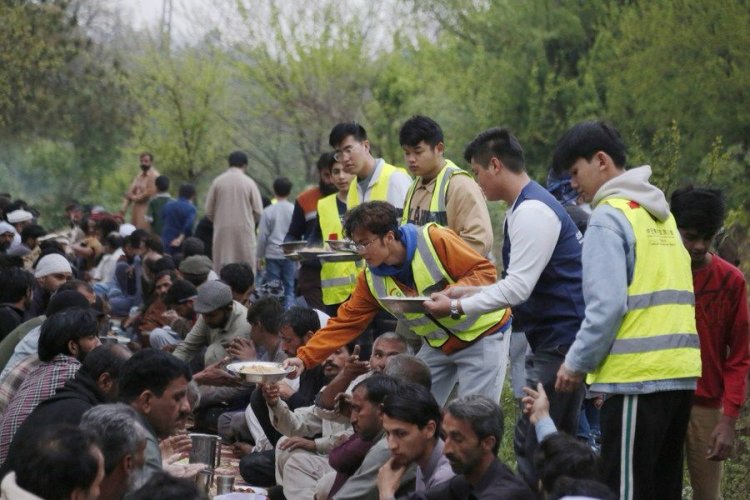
[[178, 217]]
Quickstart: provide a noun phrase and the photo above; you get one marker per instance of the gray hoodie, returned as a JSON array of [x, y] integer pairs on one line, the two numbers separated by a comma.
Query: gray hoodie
[[609, 255]]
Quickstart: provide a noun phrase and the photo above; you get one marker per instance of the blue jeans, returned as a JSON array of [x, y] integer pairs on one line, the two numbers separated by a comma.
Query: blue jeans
[[282, 270]]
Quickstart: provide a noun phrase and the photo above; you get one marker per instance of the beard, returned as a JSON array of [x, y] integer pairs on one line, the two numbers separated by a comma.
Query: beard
[[327, 189]]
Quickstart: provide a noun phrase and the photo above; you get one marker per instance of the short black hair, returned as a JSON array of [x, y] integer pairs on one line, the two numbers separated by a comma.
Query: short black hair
[[282, 186], [150, 369], [499, 143], [132, 240], [162, 183], [237, 159], [16, 284], [56, 461], [238, 275], [326, 161], [378, 387], [32, 231], [107, 358], [167, 487], [146, 153], [192, 246], [414, 404], [561, 454], [268, 311], [161, 266], [343, 130], [568, 487], [153, 242], [186, 191], [378, 217], [180, 291], [114, 240], [420, 128], [584, 140], [62, 327], [701, 209], [301, 320]]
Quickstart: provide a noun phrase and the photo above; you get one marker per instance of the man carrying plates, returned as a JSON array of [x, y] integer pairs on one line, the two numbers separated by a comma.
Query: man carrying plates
[[407, 261]]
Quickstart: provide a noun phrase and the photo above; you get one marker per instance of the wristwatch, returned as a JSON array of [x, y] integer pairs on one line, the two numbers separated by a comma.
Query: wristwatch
[[454, 309]]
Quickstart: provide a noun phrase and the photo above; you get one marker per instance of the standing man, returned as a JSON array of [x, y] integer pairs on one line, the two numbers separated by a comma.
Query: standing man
[[408, 261], [155, 206], [140, 192], [274, 224], [178, 217], [722, 320], [337, 279], [234, 206], [376, 179], [542, 283], [441, 192], [638, 342]]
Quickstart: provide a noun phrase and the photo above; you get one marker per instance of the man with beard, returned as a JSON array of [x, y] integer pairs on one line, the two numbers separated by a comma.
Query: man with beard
[[7, 233], [153, 315], [357, 460], [140, 192], [65, 339], [155, 384], [15, 298], [51, 272], [473, 429], [95, 383], [411, 419], [122, 440], [302, 454], [221, 320], [304, 226]]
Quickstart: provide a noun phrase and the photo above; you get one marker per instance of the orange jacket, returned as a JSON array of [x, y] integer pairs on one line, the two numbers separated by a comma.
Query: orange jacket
[[465, 266]]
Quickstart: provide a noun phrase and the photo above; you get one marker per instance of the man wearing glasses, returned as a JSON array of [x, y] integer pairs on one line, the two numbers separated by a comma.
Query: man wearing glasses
[[405, 261], [376, 179]]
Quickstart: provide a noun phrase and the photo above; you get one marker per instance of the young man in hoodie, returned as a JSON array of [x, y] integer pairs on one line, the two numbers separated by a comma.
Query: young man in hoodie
[[405, 261], [638, 341]]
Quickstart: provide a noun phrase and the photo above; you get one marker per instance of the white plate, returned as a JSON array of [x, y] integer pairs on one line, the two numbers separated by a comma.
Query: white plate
[[269, 372]]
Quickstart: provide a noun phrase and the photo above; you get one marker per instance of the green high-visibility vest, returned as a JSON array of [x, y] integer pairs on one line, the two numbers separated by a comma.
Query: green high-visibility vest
[[437, 212], [657, 339], [430, 276], [379, 187], [337, 279]]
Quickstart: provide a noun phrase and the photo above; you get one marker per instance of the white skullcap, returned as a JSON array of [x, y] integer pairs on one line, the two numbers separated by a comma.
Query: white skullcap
[[19, 215], [53, 263], [6, 228], [126, 229]]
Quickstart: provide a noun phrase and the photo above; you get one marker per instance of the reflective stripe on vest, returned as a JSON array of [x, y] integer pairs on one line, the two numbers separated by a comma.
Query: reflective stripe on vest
[[337, 279], [430, 276], [437, 212], [657, 339], [379, 191]]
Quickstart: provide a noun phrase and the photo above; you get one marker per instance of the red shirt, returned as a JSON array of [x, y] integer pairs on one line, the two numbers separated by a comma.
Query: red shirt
[[722, 319]]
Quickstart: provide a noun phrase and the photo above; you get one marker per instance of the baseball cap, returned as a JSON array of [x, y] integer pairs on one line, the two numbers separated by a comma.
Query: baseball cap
[[196, 264], [212, 295]]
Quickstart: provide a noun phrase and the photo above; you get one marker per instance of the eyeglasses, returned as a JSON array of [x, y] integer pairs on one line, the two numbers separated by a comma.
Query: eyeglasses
[[362, 247], [347, 151]]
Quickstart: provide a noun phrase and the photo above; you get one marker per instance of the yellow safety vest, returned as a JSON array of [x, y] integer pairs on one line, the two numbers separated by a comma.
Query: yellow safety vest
[[337, 279], [657, 339], [430, 276], [379, 190], [437, 212]]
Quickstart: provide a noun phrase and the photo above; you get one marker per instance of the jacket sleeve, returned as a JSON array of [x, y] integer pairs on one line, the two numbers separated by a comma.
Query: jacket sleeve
[[608, 261], [467, 213], [196, 339], [363, 483], [738, 358], [352, 318]]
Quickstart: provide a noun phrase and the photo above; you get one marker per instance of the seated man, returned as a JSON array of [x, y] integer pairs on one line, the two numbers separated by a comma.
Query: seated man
[[297, 326], [411, 419], [153, 315], [155, 384], [122, 440], [65, 340], [302, 454], [357, 460], [60, 462], [408, 261], [473, 429], [221, 320], [240, 278], [179, 317]]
